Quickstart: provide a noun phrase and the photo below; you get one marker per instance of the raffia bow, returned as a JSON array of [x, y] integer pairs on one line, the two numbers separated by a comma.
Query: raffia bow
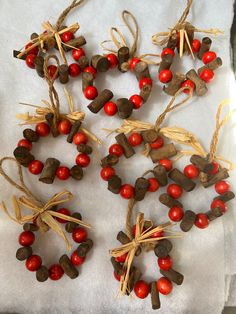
[[42, 213], [54, 33], [162, 38]]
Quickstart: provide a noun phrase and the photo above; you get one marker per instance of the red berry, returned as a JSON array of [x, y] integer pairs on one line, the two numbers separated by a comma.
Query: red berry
[[35, 167], [135, 139], [77, 53], [63, 211], [196, 45], [158, 234], [25, 143], [30, 61], [26, 238], [117, 277], [133, 63], [207, 75], [190, 84], [220, 204], [153, 185], [176, 214], [141, 289], [91, 70], [137, 101], [116, 149], [52, 70], [42, 129], [167, 51], [76, 259], [165, 76], [90, 92], [33, 51], [55, 272], [80, 138], [208, 57], [122, 258], [107, 172], [174, 190], [158, 143], [63, 173], [221, 187], [145, 81], [67, 36], [201, 221], [216, 167], [164, 285], [82, 160], [165, 263], [79, 235], [167, 163], [64, 126], [110, 108], [127, 191], [33, 262], [191, 171], [112, 59], [74, 70]]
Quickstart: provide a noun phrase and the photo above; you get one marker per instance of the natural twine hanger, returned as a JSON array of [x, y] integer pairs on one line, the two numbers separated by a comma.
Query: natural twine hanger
[[42, 213]]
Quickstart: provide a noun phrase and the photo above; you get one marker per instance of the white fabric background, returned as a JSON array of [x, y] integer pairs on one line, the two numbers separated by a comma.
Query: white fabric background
[[203, 256]]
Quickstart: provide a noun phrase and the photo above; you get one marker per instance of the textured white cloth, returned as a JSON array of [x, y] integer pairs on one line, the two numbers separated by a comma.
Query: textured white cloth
[[203, 256]]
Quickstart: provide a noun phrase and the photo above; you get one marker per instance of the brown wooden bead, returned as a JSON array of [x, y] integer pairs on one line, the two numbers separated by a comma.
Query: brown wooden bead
[[123, 57], [34, 36], [227, 196], [124, 107], [16, 53], [30, 227], [84, 148], [83, 62], [201, 163], [42, 274], [181, 179], [173, 41], [205, 46], [100, 63], [141, 70], [175, 84], [173, 275], [213, 65], [163, 248], [84, 248], [187, 221], [23, 253], [123, 141], [50, 43], [71, 225], [200, 85], [135, 276], [52, 123], [63, 72], [74, 129], [114, 184], [166, 151], [149, 136], [76, 172], [69, 269], [87, 80], [30, 135], [169, 201], [214, 213], [75, 43], [140, 188], [118, 268], [161, 175], [122, 238], [213, 179], [49, 171], [23, 156], [156, 304], [98, 103], [39, 65], [109, 160], [145, 92], [203, 177], [166, 62]]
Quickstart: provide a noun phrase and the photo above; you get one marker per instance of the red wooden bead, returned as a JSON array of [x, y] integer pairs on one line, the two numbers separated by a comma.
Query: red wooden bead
[[110, 108], [191, 171], [208, 57], [167, 163], [133, 63], [196, 45], [117, 277], [67, 36], [52, 70], [107, 172], [26, 238], [30, 61], [190, 84], [221, 187], [25, 143], [216, 167], [159, 142], [33, 262], [112, 59], [122, 258], [153, 185], [220, 204], [167, 51], [207, 75], [116, 149], [91, 70], [63, 211], [137, 101], [127, 191], [134, 230], [63, 173], [42, 129], [90, 92], [201, 221], [77, 53], [165, 76], [35, 167], [79, 235], [80, 138], [141, 289], [176, 213], [165, 263], [33, 51], [145, 81], [55, 272], [64, 126], [82, 160], [164, 285], [174, 190], [74, 70], [76, 259], [158, 234], [135, 139]]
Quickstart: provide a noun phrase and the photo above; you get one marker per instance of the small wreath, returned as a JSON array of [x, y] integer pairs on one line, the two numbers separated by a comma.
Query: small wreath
[[57, 123], [148, 237], [181, 36]]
